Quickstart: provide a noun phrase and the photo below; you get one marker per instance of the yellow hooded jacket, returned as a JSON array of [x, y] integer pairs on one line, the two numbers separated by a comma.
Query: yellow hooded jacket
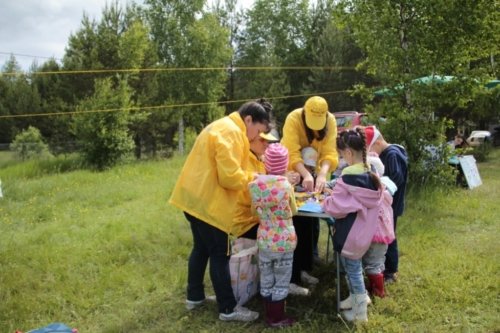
[[295, 139], [245, 218], [214, 173]]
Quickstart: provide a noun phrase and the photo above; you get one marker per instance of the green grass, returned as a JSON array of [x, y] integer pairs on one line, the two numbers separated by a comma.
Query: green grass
[[104, 252]]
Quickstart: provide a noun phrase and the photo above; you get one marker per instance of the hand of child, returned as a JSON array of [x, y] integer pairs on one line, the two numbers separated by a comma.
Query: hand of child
[[293, 177]]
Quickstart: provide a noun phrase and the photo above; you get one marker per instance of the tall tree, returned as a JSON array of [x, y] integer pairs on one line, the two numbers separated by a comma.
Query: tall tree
[[19, 98], [189, 37], [404, 40], [275, 35], [52, 90]]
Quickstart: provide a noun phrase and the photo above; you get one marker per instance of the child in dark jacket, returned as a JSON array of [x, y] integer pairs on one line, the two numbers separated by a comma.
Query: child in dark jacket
[[355, 203], [395, 160]]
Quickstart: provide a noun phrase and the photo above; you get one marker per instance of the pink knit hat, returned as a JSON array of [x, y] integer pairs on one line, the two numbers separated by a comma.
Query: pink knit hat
[[276, 159], [371, 135]]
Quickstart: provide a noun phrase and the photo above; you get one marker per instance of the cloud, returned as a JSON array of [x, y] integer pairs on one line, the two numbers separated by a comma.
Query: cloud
[[37, 30], [41, 28]]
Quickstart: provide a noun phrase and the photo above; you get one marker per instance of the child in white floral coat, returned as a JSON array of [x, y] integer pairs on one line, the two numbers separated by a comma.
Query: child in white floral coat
[[273, 200]]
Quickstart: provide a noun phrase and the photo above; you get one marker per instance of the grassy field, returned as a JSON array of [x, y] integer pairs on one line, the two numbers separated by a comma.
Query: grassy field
[[104, 252]]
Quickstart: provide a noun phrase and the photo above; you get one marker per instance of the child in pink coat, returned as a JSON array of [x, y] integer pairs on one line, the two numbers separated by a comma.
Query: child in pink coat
[[355, 204]]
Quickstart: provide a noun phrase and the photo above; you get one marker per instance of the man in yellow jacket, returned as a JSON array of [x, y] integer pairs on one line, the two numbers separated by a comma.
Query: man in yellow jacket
[[213, 174]]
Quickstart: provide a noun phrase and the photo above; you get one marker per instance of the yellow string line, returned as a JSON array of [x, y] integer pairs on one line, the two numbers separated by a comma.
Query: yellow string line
[[192, 69], [170, 106]]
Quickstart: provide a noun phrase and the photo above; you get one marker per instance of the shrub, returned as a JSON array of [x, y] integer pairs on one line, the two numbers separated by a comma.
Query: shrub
[[29, 144], [103, 137], [482, 151]]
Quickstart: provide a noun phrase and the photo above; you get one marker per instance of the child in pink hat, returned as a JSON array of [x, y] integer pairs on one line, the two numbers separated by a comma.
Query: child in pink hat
[[273, 200]]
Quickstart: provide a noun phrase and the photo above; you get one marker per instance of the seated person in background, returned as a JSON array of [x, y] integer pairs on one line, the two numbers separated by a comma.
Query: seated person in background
[[458, 142], [458, 146]]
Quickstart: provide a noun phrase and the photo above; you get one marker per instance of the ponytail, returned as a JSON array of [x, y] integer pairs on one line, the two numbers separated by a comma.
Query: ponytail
[[355, 140]]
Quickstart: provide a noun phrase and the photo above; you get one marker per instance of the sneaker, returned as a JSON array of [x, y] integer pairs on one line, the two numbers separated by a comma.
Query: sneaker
[[239, 313], [191, 305], [309, 279], [390, 278], [347, 303], [294, 289]]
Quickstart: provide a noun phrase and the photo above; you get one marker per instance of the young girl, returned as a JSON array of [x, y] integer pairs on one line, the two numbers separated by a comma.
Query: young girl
[[274, 201], [354, 203]]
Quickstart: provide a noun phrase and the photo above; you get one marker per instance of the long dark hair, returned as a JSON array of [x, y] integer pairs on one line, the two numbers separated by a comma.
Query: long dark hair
[[310, 133], [355, 139]]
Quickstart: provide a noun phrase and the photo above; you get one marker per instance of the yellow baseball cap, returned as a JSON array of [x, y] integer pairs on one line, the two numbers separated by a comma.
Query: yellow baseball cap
[[268, 137], [316, 108]]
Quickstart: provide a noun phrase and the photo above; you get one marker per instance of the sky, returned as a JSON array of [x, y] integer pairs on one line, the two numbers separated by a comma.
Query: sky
[[39, 29]]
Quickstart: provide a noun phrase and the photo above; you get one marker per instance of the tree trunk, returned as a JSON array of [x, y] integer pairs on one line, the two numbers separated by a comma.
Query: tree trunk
[[181, 135]]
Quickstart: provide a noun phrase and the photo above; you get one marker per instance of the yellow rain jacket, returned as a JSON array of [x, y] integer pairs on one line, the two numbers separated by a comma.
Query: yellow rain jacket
[[244, 218], [214, 173], [295, 138]]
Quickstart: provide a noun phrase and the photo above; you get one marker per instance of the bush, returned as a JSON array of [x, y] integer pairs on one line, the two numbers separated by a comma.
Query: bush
[[29, 144], [103, 137], [482, 151]]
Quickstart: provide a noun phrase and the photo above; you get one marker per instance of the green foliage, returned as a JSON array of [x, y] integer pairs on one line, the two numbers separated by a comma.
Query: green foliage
[[276, 34], [187, 36], [103, 136], [104, 252], [35, 168], [30, 144], [404, 41], [482, 152]]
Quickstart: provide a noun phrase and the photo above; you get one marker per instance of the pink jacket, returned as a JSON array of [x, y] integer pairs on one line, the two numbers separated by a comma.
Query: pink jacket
[[366, 204], [385, 226]]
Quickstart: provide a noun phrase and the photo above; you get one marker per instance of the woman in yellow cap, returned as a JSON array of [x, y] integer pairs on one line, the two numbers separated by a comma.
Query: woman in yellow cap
[[310, 126]]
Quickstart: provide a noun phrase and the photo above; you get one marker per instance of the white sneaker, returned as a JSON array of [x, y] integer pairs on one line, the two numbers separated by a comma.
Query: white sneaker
[[309, 279], [294, 289], [239, 313], [347, 303], [191, 305]]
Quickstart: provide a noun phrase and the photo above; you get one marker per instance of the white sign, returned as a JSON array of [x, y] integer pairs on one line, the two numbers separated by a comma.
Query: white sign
[[469, 167]]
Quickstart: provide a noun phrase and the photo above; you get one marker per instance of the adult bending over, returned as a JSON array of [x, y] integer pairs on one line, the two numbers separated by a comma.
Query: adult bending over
[[214, 171], [310, 126]]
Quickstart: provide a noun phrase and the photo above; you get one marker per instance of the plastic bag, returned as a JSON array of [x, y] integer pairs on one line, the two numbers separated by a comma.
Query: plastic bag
[[244, 269]]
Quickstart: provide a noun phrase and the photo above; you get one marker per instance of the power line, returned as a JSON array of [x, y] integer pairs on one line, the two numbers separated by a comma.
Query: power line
[[169, 106], [27, 55], [178, 69]]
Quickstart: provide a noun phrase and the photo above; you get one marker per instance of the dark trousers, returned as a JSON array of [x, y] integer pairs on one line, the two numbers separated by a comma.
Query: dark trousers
[[252, 233], [209, 243], [392, 255], [303, 254], [316, 229]]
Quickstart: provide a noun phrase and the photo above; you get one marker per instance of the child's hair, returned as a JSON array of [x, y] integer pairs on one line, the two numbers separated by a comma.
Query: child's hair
[[355, 139]]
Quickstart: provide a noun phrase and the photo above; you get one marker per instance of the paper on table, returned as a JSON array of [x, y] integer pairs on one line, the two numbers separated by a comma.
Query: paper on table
[[311, 207]]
